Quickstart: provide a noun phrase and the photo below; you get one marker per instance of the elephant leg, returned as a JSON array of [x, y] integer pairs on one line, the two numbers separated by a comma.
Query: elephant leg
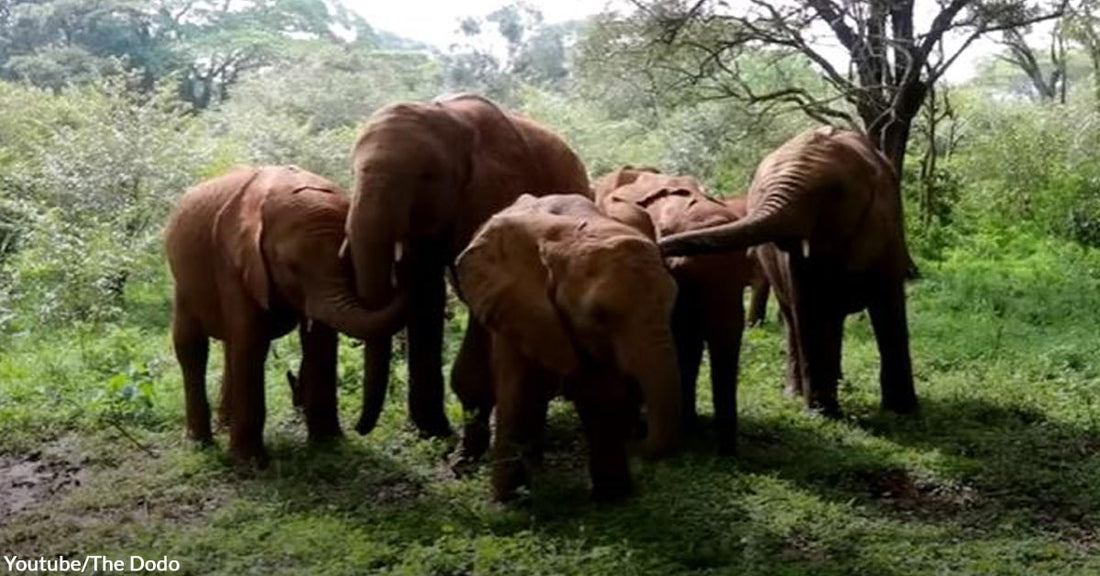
[[605, 414], [317, 380], [192, 350], [725, 321], [245, 353], [472, 381], [888, 318], [687, 329], [377, 353], [820, 336], [520, 410], [794, 370], [758, 303], [820, 329], [425, 333]]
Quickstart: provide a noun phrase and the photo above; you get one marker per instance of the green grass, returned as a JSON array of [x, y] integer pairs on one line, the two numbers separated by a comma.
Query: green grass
[[999, 474]]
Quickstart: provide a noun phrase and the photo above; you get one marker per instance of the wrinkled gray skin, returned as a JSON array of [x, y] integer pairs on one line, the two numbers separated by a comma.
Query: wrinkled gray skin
[[824, 208]]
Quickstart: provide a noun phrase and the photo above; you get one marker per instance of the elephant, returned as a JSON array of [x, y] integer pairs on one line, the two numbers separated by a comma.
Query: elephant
[[758, 303], [825, 209], [709, 308], [427, 175], [557, 286], [254, 253]]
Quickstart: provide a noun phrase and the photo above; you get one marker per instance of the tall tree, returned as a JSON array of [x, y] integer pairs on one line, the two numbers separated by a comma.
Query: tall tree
[[1083, 25], [509, 46], [879, 66], [1048, 78]]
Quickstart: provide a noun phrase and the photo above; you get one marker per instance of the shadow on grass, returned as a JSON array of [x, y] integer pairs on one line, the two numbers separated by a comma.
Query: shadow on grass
[[1016, 459], [699, 511], [800, 498]]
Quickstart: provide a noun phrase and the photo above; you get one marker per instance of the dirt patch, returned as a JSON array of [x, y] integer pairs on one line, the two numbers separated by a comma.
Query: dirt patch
[[906, 492], [27, 481]]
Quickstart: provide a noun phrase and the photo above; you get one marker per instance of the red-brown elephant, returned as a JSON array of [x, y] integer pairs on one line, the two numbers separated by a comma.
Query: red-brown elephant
[[709, 309], [254, 254], [825, 206], [427, 175], [576, 304]]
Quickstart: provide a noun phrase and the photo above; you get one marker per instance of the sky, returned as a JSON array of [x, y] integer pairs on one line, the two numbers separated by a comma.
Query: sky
[[435, 22]]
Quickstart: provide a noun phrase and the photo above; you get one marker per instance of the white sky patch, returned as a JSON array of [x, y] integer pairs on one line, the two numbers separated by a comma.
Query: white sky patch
[[435, 22]]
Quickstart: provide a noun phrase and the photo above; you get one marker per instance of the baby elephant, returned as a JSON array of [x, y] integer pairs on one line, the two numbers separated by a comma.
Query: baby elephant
[[254, 253], [576, 304], [709, 309]]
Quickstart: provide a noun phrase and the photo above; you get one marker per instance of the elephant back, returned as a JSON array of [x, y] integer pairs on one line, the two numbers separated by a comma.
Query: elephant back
[[511, 156]]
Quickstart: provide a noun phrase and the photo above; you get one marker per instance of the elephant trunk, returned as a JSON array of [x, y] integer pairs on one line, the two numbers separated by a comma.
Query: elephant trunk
[[654, 367], [343, 311], [777, 217]]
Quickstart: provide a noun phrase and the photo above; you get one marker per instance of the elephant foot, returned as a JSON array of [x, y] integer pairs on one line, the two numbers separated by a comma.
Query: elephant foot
[[903, 405], [325, 434], [461, 465], [475, 441], [727, 439], [828, 408], [508, 477], [690, 421], [435, 429], [250, 456], [201, 433], [611, 490]]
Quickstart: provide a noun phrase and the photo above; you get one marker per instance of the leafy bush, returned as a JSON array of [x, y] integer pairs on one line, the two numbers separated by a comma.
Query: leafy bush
[[1032, 166], [86, 191]]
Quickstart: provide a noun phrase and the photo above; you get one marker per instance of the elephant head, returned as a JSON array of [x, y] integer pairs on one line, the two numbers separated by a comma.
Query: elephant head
[[827, 190], [282, 229], [408, 161], [567, 285]]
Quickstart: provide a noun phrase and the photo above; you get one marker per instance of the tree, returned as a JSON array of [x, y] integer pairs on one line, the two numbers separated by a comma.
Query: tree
[[1083, 25], [208, 43], [534, 52], [879, 83], [1048, 80]]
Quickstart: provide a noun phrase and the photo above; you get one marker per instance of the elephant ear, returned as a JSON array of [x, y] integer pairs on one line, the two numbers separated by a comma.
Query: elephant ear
[[238, 230], [504, 280], [630, 214]]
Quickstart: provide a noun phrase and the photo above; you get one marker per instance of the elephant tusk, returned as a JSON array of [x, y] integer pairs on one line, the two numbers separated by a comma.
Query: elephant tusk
[[343, 253], [805, 248], [398, 254]]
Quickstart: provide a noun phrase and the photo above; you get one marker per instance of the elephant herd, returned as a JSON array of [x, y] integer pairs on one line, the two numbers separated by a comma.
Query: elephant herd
[[604, 294]]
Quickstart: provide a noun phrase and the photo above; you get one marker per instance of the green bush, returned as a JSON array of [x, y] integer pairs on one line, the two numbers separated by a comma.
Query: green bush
[[85, 192]]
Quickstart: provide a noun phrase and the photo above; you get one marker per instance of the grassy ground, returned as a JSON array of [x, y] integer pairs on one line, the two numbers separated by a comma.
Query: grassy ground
[[1000, 473]]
